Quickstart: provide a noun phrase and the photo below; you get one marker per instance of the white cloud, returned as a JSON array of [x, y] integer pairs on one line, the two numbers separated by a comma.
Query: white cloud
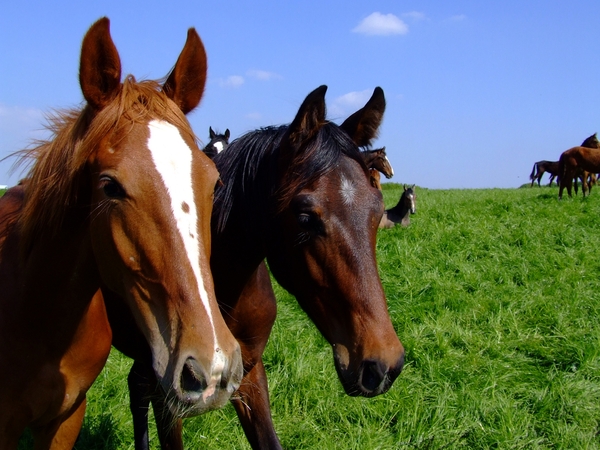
[[415, 15], [254, 116], [349, 103], [381, 25], [458, 18], [233, 81], [263, 75]]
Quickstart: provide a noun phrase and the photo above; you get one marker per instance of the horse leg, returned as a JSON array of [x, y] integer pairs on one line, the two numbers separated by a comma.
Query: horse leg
[[251, 403], [251, 321], [139, 383]]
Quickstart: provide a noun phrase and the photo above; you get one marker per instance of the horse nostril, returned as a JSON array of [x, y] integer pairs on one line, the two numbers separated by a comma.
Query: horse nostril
[[193, 380], [373, 374]]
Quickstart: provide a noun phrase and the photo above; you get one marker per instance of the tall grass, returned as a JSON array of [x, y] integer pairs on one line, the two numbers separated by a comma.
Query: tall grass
[[495, 296]]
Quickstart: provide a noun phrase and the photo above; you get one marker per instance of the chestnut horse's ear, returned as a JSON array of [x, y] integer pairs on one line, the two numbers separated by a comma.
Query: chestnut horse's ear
[[363, 125], [99, 66], [185, 84], [309, 119]]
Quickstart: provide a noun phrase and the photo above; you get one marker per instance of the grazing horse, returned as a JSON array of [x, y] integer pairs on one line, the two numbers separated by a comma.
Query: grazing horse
[[541, 167], [579, 161], [120, 201], [299, 196], [218, 143], [402, 211]]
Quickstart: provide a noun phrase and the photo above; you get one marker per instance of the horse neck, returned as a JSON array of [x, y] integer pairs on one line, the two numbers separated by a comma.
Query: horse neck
[[52, 283], [238, 244], [400, 211]]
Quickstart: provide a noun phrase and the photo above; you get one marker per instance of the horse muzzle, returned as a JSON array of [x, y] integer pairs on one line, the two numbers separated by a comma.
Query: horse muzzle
[[194, 389], [372, 377]]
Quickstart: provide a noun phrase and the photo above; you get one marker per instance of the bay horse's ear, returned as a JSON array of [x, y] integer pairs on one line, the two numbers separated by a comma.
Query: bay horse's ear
[[309, 119], [99, 66], [185, 84], [363, 125]]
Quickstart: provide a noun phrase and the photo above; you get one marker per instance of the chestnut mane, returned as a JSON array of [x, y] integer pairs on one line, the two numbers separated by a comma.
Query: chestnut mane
[[56, 178]]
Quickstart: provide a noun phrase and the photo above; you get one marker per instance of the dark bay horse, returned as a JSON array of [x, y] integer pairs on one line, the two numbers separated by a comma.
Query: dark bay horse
[[402, 211], [576, 162], [299, 196], [218, 142], [541, 167], [120, 199]]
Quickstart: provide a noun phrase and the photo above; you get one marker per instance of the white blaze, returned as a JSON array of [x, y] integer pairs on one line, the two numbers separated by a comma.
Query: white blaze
[[173, 160], [219, 146]]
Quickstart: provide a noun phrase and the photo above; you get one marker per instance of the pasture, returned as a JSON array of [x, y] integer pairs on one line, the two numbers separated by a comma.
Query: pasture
[[494, 294]]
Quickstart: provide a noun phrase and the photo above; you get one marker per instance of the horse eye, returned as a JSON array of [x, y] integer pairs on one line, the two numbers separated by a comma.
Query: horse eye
[[311, 223], [111, 188], [304, 220]]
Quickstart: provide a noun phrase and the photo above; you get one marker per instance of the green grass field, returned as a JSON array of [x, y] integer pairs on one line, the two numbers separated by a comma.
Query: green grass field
[[495, 296]]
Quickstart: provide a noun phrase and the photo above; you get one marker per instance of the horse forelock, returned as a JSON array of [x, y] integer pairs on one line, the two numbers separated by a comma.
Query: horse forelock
[[58, 164]]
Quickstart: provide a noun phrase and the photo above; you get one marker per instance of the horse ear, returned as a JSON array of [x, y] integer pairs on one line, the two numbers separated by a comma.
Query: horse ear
[[99, 65], [185, 84], [309, 119], [227, 134], [211, 133], [363, 125]]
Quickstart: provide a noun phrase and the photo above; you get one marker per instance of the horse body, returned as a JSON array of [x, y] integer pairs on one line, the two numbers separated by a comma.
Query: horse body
[[579, 161], [101, 212], [541, 167], [402, 211], [299, 196], [218, 143]]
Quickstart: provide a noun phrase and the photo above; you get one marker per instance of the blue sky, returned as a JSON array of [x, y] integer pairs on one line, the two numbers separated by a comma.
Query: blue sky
[[477, 91]]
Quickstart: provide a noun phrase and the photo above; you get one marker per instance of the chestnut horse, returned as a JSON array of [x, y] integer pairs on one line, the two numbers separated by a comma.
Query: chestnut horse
[[120, 199], [584, 158], [402, 211], [218, 143], [377, 162], [299, 196]]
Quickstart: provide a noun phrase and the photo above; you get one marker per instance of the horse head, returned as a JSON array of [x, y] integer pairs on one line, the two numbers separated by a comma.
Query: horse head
[[151, 192], [321, 245]]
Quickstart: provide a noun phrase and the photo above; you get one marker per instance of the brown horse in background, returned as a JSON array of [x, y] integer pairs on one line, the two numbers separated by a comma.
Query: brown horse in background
[[299, 196], [120, 200], [577, 161], [377, 162]]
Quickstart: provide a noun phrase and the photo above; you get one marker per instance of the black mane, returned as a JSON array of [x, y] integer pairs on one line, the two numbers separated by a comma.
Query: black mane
[[257, 172]]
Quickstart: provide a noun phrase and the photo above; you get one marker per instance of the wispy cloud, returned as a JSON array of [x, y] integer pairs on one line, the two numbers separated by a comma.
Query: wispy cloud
[[263, 75], [233, 81], [415, 15], [377, 24], [254, 116], [347, 104], [457, 18]]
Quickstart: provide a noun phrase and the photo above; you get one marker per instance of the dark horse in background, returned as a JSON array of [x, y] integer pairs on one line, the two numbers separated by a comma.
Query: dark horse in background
[[120, 199], [579, 161], [218, 143], [400, 214], [299, 196], [541, 167]]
